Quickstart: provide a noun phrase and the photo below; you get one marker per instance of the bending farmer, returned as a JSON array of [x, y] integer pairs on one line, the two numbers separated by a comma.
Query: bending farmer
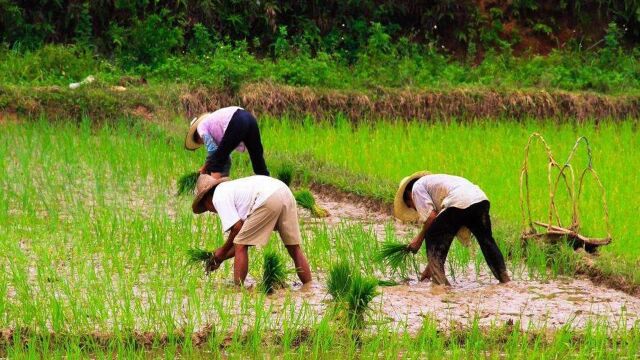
[[222, 131], [250, 209], [445, 204]]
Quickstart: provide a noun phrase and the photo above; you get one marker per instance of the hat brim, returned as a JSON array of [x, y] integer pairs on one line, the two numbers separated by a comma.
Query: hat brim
[[400, 209], [197, 206], [189, 143]]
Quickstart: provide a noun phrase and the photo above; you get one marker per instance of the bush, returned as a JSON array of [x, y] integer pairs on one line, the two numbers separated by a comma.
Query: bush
[[150, 41]]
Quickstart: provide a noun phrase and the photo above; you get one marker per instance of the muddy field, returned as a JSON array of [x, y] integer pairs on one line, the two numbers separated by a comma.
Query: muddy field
[[532, 304]]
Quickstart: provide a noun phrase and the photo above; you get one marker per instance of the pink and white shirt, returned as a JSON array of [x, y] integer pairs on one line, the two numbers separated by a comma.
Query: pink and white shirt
[[211, 129]]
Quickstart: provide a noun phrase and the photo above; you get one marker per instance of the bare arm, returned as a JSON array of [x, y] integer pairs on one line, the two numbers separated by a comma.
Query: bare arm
[[233, 232], [227, 250], [415, 245]]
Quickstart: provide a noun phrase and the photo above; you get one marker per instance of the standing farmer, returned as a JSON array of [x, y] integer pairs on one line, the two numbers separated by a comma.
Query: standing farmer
[[222, 131], [445, 204], [250, 209]]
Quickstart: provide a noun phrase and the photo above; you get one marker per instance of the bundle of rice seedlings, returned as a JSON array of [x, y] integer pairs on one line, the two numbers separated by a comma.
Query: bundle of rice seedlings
[[396, 255], [274, 273], [285, 174], [361, 292], [187, 183], [393, 254], [197, 256], [305, 198], [387, 283], [339, 281]]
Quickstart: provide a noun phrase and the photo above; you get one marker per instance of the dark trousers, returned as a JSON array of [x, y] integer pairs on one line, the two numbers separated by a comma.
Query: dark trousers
[[444, 228], [243, 127]]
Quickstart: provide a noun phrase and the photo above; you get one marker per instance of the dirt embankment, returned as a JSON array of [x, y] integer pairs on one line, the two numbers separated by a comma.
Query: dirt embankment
[[155, 102]]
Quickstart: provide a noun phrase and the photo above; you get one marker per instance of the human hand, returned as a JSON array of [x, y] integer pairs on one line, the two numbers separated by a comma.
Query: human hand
[[212, 264], [414, 246]]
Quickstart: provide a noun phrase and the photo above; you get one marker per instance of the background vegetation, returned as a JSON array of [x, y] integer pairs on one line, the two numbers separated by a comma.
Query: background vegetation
[[569, 45]]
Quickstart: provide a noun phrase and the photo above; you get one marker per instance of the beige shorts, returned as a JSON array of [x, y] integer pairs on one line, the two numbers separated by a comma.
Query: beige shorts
[[279, 212]]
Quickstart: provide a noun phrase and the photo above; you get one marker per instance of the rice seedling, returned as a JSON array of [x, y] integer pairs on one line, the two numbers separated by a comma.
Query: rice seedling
[[361, 292], [339, 280], [395, 255], [187, 183], [285, 174], [305, 198], [196, 256], [274, 273]]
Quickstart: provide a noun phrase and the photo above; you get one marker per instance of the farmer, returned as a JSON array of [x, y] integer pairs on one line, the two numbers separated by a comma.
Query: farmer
[[250, 209], [445, 204], [222, 131]]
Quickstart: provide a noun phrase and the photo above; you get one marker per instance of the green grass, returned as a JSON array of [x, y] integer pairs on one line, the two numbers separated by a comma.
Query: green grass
[[610, 71], [94, 242]]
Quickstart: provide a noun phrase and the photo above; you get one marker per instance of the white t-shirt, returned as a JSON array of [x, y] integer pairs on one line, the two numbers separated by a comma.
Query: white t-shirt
[[438, 192], [236, 199]]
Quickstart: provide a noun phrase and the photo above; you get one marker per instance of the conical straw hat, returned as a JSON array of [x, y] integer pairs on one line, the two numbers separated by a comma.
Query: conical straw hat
[[189, 143]]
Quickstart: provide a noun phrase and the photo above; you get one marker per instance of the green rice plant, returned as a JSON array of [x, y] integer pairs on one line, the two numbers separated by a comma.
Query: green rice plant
[[395, 255], [339, 281], [305, 198], [187, 183], [361, 292], [274, 273], [285, 174], [196, 256]]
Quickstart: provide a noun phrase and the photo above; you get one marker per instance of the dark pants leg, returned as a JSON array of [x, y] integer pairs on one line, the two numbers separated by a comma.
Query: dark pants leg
[[438, 241], [253, 142], [243, 127], [477, 219]]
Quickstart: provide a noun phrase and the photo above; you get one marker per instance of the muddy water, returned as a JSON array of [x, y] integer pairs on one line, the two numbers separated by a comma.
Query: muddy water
[[529, 303]]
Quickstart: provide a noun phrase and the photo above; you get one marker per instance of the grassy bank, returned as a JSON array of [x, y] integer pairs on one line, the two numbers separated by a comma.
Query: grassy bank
[[161, 102]]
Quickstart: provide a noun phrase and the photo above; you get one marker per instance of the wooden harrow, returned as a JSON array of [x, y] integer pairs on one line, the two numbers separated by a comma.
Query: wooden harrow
[[552, 229]]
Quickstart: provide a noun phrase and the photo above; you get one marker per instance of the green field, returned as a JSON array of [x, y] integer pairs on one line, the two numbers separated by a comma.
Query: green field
[[94, 239], [371, 158]]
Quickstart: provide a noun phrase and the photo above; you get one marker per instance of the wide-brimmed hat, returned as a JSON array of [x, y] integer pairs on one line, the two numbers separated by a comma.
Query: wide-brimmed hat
[[189, 143], [400, 209], [204, 184]]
